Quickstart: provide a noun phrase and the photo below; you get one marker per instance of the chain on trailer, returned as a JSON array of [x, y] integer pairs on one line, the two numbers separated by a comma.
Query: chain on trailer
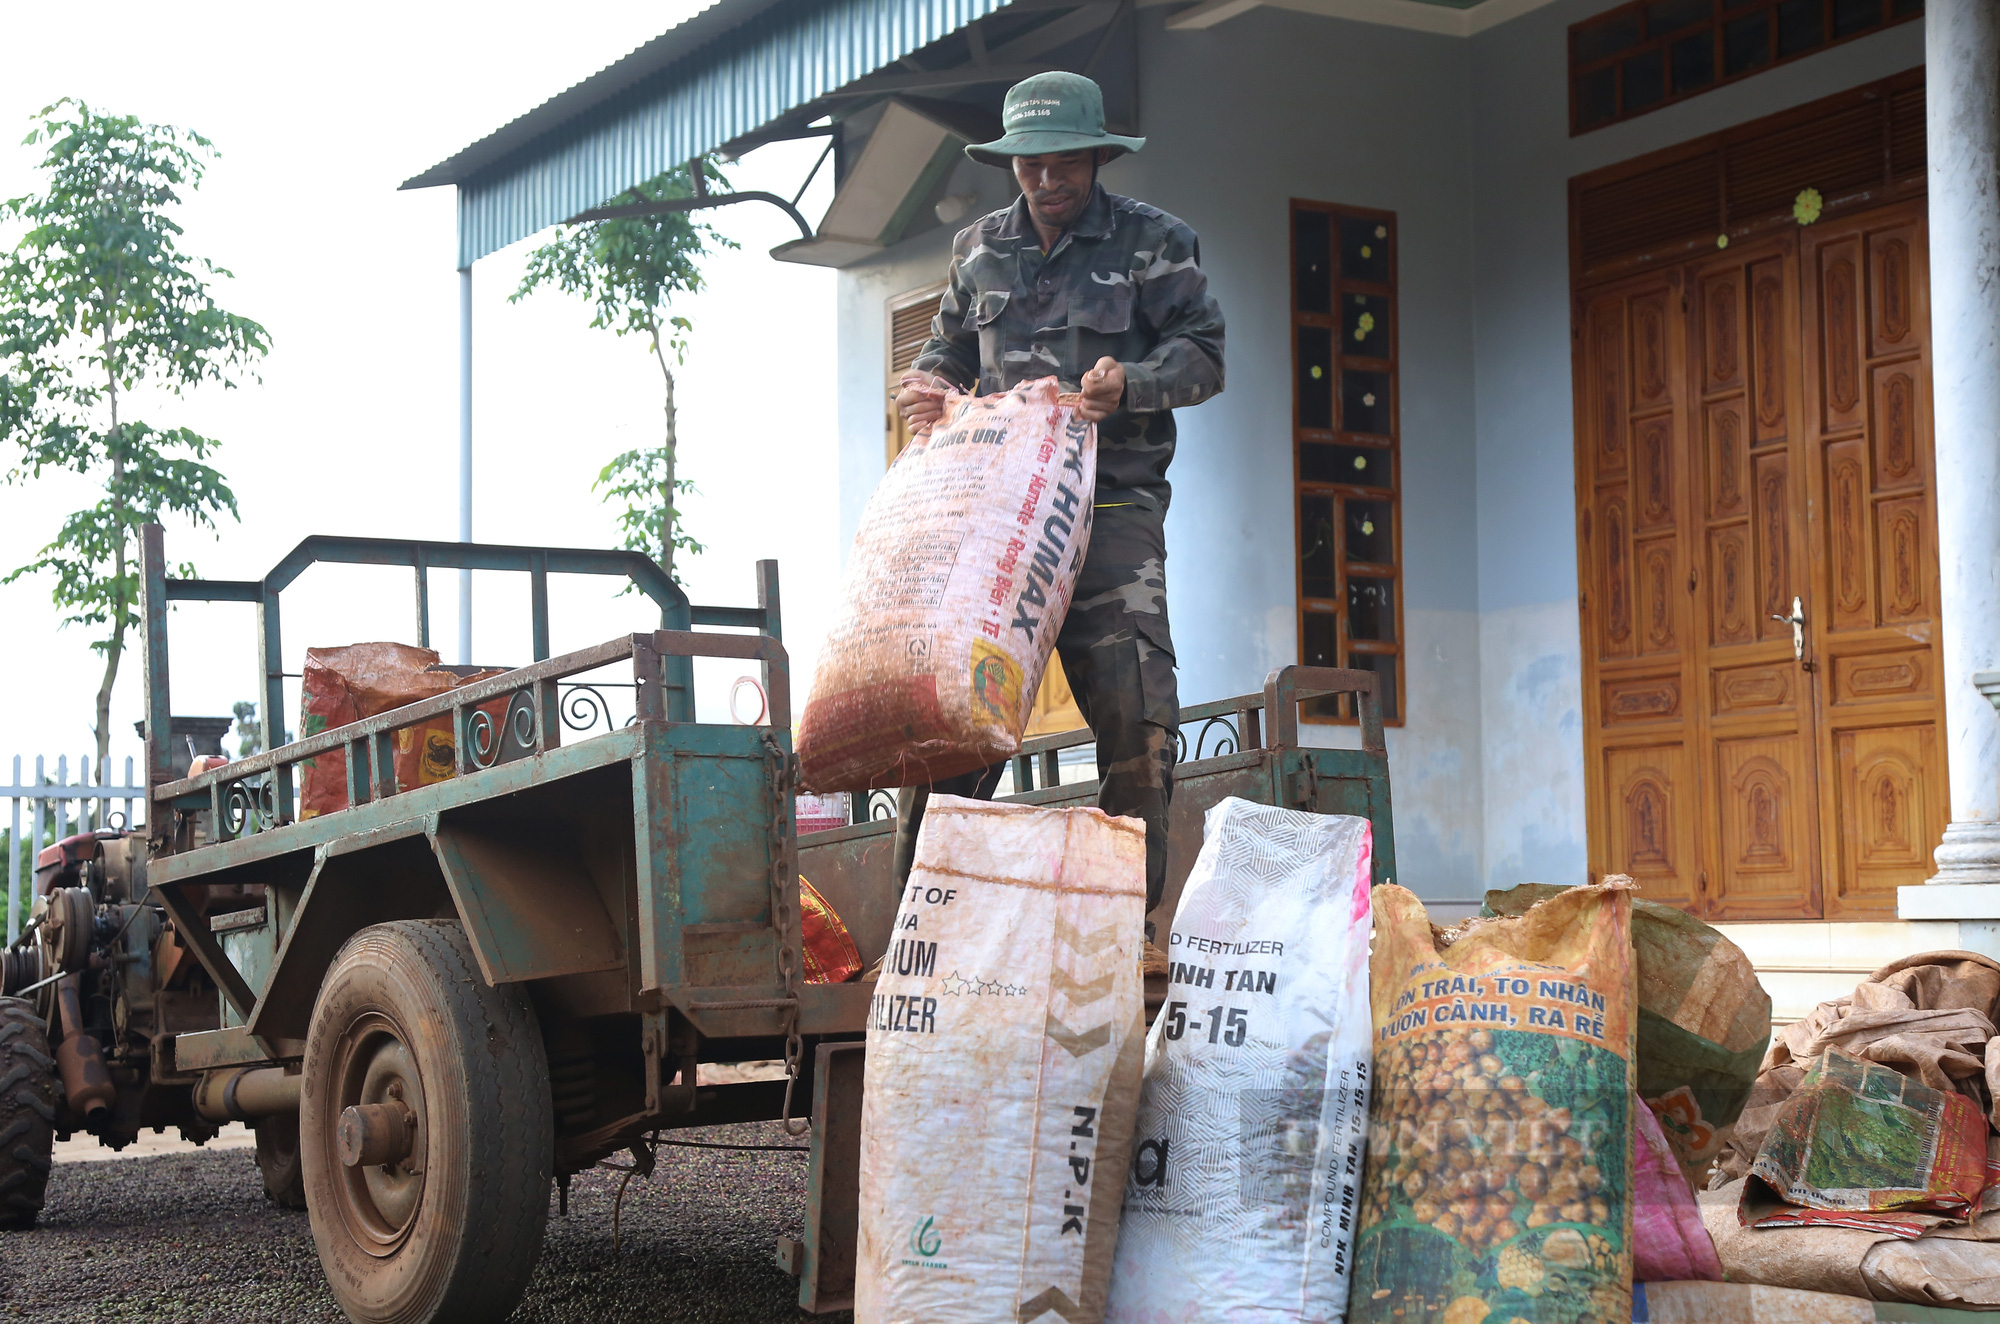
[[785, 918]]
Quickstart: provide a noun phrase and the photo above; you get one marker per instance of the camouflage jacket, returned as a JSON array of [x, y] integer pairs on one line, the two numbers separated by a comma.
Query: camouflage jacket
[[1124, 281]]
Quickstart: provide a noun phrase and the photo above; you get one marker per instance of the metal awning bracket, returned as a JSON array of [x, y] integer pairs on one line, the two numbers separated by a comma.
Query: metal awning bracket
[[674, 206]]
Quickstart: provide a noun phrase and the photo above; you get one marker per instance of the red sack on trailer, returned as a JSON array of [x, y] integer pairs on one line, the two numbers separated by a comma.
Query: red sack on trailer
[[829, 951], [342, 685], [955, 590]]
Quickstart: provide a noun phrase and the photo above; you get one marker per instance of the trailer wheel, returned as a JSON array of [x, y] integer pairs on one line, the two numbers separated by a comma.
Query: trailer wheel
[[426, 1131], [278, 1161], [29, 1091]]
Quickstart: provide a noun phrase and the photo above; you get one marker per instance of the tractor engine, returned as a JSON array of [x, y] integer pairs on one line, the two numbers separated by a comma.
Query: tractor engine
[[101, 966]]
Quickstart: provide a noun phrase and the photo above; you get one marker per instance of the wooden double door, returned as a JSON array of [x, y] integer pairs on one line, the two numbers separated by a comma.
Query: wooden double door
[[1754, 443]]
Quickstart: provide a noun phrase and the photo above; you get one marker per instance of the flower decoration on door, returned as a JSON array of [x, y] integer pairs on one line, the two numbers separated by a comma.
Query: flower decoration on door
[[1807, 206]]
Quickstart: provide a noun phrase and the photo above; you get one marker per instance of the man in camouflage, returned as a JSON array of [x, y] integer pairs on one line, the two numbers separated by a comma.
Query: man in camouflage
[[1107, 295]]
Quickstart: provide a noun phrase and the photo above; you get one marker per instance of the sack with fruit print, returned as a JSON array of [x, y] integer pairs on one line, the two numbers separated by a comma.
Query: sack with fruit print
[[1702, 1020], [1500, 1127]]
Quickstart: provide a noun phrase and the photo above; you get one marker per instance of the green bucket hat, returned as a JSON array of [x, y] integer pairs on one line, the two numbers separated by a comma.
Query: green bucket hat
[[1054, 112]]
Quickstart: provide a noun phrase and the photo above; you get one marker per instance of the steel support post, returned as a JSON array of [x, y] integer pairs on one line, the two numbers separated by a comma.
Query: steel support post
[[465, 459], [160, 762], [14, 861]]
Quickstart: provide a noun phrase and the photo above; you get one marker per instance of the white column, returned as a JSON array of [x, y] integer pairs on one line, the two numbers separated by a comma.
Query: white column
[[1962, 96]]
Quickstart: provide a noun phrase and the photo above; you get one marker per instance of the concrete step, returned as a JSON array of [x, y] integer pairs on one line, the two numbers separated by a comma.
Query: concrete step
[[1802, 963]]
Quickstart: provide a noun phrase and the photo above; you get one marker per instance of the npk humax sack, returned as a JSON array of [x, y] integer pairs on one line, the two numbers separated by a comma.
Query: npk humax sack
[[1246, 1172], [1004, 1046], [956, 588], [1500, 1139]]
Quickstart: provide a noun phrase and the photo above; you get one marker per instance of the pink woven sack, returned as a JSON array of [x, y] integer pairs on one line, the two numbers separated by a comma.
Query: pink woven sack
[[1669, 1243]]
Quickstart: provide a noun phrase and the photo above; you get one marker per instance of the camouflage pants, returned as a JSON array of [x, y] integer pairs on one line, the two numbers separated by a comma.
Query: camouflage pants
[[1119, 656]]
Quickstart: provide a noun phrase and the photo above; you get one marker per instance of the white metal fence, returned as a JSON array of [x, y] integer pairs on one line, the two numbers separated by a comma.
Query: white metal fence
[[48, 797]]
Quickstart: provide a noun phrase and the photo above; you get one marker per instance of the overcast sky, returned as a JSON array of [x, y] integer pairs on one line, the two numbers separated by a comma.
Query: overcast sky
[[319, 113]]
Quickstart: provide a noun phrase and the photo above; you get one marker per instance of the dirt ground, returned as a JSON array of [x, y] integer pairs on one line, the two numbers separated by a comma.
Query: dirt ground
[[181, 1238]]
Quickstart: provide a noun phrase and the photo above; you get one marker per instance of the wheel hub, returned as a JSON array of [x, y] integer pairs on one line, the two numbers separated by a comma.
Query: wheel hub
[[379, 1133], [375, 1135]]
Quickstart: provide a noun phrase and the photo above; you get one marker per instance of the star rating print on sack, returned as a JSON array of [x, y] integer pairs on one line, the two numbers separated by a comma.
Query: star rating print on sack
[[1004, 1045]]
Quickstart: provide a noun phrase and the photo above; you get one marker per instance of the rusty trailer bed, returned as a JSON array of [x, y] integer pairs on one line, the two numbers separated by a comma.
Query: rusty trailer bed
[[638, 883]]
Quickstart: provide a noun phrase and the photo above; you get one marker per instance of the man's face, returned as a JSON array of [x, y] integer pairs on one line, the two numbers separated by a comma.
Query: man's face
[[1056, 185]]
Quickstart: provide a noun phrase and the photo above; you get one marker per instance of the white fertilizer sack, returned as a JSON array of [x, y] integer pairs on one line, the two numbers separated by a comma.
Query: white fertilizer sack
[[1246, 1173], [1004, 1045]]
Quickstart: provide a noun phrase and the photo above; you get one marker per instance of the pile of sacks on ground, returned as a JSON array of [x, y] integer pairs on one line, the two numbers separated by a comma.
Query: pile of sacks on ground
[[1447, 1129], [1030, 1150], [1514, 1121], [1866, 1158]]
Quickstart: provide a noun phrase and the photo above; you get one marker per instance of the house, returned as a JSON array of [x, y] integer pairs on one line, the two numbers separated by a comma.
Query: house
[[1614, 380]]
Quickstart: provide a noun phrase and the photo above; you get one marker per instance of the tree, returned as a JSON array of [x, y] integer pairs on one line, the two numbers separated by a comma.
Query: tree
[[249, 731], [97, 301], [630, 268]]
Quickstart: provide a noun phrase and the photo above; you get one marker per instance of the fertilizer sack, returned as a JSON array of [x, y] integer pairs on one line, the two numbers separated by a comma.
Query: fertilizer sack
[[1862, 1145], [955, 590], [1500, 1130], [1005, 1041], [1246, 1172], [1669, 1243], [342, 685], [1703, 1024]]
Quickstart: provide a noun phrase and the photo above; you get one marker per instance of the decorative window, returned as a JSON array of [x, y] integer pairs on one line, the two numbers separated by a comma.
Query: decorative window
[[1345, 430], [1856, 150], [909, 327], [1650, 53]]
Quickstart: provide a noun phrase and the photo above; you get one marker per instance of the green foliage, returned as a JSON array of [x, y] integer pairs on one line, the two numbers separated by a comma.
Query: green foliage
[[629, 269], [96, 301], [91, 558], [249, 731], [650, 520]]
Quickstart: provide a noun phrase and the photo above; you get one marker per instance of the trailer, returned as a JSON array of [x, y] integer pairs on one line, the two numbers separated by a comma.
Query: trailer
[[464, 991]]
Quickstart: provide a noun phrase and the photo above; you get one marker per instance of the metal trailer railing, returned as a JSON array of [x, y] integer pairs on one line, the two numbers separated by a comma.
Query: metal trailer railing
[[538, 563], [48, 802]]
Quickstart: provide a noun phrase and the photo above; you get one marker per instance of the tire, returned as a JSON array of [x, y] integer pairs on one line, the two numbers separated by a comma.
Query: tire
[[29, 1091], [278, 1161], [452, 1232]]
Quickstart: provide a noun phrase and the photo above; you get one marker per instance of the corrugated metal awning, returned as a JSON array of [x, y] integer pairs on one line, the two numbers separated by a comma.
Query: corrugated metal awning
[[727, 72]]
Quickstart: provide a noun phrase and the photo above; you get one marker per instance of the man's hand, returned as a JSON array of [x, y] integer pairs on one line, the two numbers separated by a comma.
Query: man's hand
[[1103, 388], [921, 400]]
